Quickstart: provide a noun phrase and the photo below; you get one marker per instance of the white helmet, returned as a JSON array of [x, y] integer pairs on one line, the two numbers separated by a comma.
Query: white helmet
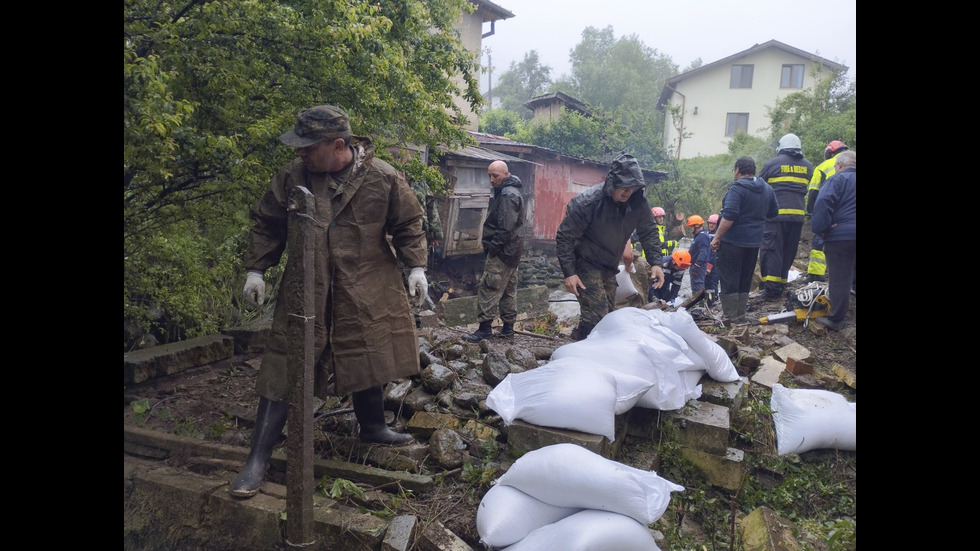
[[790, 141]]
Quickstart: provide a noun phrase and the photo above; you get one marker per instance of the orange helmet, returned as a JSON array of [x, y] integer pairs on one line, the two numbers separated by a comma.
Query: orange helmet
[[657, 211], [695, 220], [682, 258], [713, 219], [834, 146]]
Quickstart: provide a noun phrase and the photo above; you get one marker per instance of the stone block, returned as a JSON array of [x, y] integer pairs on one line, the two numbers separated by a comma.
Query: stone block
[[424, 423], [703, 426], [523, 437], [142, 365], [798, 367], [725, 470], [846, 376], [400, 533], [764, 530], [724, 394], [792, 350], [249, 339], [769, 371]]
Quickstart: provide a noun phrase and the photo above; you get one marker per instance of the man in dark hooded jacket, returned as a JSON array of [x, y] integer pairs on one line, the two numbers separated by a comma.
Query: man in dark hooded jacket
[[744, 210], [591, 239], [788, 173], [502, 241]]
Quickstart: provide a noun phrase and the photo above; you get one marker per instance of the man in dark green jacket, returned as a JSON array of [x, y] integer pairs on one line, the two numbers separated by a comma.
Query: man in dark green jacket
[[502, 241], [591, 239]]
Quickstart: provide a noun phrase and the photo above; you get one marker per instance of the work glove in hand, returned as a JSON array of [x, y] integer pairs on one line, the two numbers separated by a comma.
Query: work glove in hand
[[254, 290], [418, 287]]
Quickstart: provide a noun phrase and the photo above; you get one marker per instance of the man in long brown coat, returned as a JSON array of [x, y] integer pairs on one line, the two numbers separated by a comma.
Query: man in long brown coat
[[364, 335]]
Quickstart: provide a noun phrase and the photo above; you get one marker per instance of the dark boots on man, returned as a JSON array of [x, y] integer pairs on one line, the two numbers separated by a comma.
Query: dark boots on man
[[370, 412], [507, 331], [484, 332], [269, 422]]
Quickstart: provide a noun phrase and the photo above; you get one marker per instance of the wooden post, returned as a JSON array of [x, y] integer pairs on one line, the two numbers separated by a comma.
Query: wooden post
[[299, 287]]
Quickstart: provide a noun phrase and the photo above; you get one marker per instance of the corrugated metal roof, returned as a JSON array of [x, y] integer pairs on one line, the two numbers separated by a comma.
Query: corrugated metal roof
[[481, 154], [491, 139]]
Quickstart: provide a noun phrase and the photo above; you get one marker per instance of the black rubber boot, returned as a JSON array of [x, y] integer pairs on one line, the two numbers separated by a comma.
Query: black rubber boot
[[484, 332], [582, 331], [507, 331], [370, 412], [269, 422]]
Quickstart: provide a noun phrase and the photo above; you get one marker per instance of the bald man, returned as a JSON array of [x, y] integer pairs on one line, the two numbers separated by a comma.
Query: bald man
[[503, 241]]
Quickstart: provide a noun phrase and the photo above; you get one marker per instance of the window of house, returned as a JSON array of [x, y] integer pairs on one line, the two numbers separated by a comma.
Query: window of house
[[741, 76], [736, 122], [792, 76]]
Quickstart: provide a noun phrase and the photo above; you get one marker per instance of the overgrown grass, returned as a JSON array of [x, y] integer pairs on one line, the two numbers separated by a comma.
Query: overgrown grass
[[815, 490]]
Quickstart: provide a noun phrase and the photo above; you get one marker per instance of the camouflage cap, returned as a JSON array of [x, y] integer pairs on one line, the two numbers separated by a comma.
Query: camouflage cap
[[323, 122], [625, 172]]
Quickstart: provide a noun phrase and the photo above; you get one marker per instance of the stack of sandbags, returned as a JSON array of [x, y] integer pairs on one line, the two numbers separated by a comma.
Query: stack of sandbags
[[565, 497], [570, 393]]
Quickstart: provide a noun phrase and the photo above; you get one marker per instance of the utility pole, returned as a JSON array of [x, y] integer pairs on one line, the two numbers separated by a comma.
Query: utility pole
[[489, 77]]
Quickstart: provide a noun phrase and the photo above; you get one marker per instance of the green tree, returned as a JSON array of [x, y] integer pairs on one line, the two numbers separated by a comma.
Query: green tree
[[500, 122], [521, 82], [208, 88], [818, 115], [619, 73]]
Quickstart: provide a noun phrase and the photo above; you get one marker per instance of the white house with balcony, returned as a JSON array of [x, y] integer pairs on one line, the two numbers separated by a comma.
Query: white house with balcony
[[716, 100]]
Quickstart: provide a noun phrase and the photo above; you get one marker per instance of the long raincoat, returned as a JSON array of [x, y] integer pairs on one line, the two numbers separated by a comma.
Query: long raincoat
[[364, 334]]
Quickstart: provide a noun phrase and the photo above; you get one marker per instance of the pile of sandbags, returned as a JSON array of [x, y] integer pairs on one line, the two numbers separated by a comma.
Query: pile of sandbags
[[633, 357], [566, 498]]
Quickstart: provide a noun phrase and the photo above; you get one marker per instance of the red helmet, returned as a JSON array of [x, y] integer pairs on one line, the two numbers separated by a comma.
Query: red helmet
[[695, 220], [682, 258], [713, 219], [657, 211], [834, 146]]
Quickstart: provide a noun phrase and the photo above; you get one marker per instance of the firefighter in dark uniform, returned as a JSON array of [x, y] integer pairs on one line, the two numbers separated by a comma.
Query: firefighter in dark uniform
[[788, 173]]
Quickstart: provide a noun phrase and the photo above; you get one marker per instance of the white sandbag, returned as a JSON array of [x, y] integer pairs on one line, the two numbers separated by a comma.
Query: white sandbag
[[624, 284], [507, 515], [639, 324], [567, 475], [811, 419], [623, 320], [717, 362], [590, 530], [571, 394], [633, 354]]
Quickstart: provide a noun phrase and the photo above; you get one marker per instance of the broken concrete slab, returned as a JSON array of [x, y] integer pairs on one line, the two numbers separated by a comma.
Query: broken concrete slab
[[792, 350], [523, 437], [845, 375], [769, 372], [167, 359], [703, 426], [724, 471], [724, 394], [764, 530]]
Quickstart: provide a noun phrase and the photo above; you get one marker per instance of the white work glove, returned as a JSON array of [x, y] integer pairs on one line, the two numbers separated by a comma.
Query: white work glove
[[254, 290], [418, 286]]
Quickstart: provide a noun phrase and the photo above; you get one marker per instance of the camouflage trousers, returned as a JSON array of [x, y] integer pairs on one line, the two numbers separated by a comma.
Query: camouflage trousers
[[599, 296], [498, 291]]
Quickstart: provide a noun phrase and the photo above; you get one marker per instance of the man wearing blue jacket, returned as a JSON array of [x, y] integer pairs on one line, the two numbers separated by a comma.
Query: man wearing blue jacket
[[835, 219], [744, 210]]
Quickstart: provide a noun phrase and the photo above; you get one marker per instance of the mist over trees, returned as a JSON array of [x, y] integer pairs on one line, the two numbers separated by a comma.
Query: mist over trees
[[620, 80]]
